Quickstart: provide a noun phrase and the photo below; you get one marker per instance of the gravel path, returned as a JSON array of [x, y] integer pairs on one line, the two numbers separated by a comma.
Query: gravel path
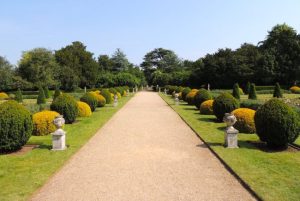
[[145, 152]]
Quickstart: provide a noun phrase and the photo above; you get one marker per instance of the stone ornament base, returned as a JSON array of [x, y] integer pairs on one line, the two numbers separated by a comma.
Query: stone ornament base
[[231, 140]]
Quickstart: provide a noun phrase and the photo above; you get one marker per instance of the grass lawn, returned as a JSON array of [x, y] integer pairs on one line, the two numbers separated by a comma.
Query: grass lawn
[[269, 96], [273, 176], [21, 175]]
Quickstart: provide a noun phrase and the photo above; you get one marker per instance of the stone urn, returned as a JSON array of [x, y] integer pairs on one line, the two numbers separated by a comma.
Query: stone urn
[[176, 99], [115, 100], [59, 136], [231, 140]]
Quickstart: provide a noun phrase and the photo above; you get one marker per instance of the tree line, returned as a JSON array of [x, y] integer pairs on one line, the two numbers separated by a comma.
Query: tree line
[[275, 59]]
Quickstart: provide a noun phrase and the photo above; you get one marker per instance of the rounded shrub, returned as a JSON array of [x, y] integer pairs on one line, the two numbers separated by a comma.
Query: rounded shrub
[[19, 97], [245, 120], [43, 122], [41, 99], [185, 91], [15, 126], [277, 124], [113, 90], [3, 96], [252, 93], [84, 109], [106, 94], [191, 96], [207, 107], [100, 99], [90, 98], [119, 95], [225, 103], [201, 96], [65, 105], [277, 91], [295, 89], [236, 91]]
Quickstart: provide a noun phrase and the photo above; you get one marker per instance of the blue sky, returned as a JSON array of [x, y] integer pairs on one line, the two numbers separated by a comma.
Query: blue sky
[[191, 28]]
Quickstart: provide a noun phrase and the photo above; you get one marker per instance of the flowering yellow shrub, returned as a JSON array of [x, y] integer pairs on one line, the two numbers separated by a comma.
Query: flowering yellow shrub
[[100, 99], [84, 109], [3, 95], [43, 122], [207, 107], [124, 93], [97, 92], [119, 95], [245, 120], [295, 89], [190, 96]]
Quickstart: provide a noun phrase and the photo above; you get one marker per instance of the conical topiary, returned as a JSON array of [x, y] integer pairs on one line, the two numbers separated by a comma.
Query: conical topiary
[[41, 97], [56, 93], [252, 92], [46, 92], [277, 91], [18, 96], [247, 89], [236, 91]]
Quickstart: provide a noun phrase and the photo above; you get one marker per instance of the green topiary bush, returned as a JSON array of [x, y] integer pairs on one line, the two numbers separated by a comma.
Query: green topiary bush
[[225, 103], [277, 91], [90, 99], [56, 93], [201, 96], [247, 88], [277, 124], [15, 126], [65, 105], [236, 91], [113, 90], [41, 97], [185, 91], [107, 95], [46, 92], [252, 92], [19, 97]]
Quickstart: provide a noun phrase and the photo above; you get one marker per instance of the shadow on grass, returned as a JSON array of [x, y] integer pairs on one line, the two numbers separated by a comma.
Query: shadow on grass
[[208, 119], [193, 109]]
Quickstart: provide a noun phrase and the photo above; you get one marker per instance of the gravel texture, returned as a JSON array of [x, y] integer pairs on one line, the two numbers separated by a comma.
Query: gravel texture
[[145, 152]]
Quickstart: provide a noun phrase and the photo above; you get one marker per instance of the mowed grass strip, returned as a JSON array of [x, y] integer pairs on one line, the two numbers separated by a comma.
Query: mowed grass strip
[[21, 175], [273, 176]]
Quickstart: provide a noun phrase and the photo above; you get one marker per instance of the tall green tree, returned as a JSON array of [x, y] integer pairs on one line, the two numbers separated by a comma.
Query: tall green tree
[[105, 63], [7, 74], [38, 66], [119, 61], [76, 59]]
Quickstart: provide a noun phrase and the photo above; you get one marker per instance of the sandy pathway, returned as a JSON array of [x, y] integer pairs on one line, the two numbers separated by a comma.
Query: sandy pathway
[[145, 152]]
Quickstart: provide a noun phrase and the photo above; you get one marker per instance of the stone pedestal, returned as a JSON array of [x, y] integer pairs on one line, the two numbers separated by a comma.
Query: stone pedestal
[[176, 99], [231, 138], [58, 140], [158, 89]]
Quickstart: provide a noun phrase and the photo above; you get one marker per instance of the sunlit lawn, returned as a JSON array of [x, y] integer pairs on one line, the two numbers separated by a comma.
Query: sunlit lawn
[[273, 176], [21, 175]]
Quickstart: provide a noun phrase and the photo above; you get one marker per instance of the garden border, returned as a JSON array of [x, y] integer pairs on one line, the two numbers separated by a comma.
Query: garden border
[[240, 180]]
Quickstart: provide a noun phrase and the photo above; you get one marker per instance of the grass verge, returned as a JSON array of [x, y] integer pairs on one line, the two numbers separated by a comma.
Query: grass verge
[[21, 175], [272, 175]]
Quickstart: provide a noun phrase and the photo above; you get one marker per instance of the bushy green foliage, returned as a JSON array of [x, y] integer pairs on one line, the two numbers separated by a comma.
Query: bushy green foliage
[[251, 104], [185, 91], [19, 97], [236, 91], [277, 124], [252, 93], [107, 95], [56, 93], [201, 96], [121, 90], [277, 91], [247, 88], [41, 97], [113, 90], [90, 99], [65, 105], [46, 92], [225, 103], [15, 126]]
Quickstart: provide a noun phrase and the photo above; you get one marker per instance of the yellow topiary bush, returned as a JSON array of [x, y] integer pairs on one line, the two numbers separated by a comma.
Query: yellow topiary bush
[[245, 120], [100, 99], [43, 122], [3, 96], [119, 95], [84, 109], [207, 107], [295, 89], [190, 96], [97, 92]]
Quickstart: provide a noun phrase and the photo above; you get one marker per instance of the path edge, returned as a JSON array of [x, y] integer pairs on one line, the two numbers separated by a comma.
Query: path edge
[[239, 179], [68, 161]]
